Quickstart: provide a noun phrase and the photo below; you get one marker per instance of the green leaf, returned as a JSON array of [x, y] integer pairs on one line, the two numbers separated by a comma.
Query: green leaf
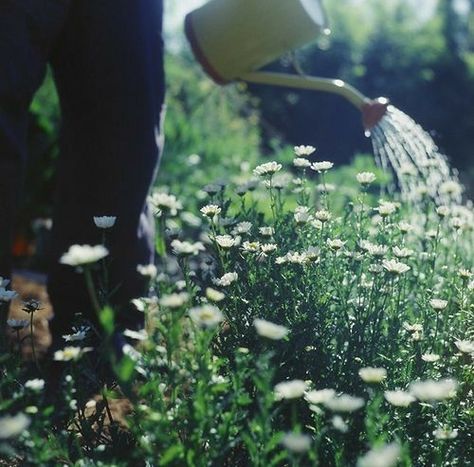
[[160, 244], [125, 369], [107, 320], [172, 453]]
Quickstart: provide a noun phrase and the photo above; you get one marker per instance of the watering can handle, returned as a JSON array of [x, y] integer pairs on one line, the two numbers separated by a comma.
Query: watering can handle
[[372, 110]]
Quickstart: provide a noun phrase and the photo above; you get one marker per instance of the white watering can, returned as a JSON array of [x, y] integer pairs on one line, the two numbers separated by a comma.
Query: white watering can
[[233, 39]]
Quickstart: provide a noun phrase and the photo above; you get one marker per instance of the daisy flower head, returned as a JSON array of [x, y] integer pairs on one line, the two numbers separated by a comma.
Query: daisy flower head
[[225, 241], [214, 295], [451, 188], [206, 316], [35, 384], [227, 279], [251, 247], [147, 270], [304, 151], [402, 252], [211, 210], [7, 295], [71, 353], [12, 426], [443, 211], [174, 300], [322, 215], [445, 433], [80, 255], [267, 248], [165, 203], [184, 248], [430, 357], [335, 244], [212, 189], [373, 375], [322, 167], [270, 330], [17, 324], [319, 396], [301, 162], [431, 390], [386, 455], [267, 169], [386, 208], [302, 215], [395, 267], [266, 231], [399, 398], [292, 389], [339, 424], [104, 222], [438, 304], [242, 228], [78, 334], [465, 346], [344, 403], [366, 178], [405, 227], [296, 442]]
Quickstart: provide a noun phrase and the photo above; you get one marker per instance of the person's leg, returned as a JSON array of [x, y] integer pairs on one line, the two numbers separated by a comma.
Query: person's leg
[[27, 30], [108, 68]]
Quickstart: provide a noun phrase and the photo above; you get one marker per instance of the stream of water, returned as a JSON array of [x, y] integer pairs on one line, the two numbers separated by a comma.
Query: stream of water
[[403, 147]]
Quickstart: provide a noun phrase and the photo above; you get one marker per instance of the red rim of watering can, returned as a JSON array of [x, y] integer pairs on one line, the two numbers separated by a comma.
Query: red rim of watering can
[[373, 111], [198, 52]]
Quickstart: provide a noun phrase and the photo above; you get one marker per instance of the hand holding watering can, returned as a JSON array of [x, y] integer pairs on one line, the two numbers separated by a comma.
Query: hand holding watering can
[[234, 38]]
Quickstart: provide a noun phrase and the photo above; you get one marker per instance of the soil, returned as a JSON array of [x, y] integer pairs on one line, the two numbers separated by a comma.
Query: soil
[[29, 288]]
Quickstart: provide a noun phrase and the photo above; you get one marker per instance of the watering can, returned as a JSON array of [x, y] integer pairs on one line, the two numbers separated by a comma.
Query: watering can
[[233, 39]]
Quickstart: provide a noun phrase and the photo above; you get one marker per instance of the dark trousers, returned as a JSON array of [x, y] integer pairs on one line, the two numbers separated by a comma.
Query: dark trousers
[[107, 60]]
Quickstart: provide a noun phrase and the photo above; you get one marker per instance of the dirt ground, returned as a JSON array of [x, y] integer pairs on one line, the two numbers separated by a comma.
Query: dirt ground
[[29, 288]]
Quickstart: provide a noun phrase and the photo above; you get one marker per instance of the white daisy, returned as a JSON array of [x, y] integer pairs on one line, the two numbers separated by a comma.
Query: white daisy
[[105, 222], [79, 255], [365, 178], [268, 168], [322, 167], [270, 330], [292, 389], [304, 151]]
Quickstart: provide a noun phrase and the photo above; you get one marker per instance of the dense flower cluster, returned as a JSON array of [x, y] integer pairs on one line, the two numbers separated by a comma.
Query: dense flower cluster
[[290, 321]]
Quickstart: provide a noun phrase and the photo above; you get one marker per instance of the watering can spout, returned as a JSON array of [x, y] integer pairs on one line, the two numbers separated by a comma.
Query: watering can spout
[[373, 111]]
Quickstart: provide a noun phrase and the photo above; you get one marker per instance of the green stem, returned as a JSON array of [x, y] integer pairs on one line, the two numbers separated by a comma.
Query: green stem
[[32, 338], [160, 241], [91, 290], [4, 308]]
